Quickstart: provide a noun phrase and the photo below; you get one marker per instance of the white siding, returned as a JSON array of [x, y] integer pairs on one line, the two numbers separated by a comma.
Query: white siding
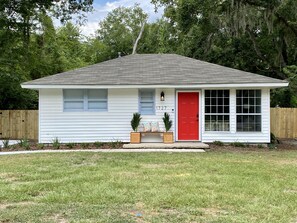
[[95, 126], [245, 137], [115, 123]]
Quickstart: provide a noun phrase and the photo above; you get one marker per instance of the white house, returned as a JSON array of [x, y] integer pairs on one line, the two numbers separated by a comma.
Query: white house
[[206, 102]]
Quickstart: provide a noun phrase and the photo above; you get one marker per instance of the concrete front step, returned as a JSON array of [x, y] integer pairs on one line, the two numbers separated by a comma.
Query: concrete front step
[[177, 145]]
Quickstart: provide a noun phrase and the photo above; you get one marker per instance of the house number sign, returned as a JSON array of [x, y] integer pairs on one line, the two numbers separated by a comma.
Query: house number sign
[[161, 108]]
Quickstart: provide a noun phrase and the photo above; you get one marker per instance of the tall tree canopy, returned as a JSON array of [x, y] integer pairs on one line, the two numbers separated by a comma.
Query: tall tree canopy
[[259, 36], [253, 35], [29, 47], [119, 30]]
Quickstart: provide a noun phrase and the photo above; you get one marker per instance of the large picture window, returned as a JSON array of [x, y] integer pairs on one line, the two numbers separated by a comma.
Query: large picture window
[[147, 102], [217, 110], [85, 100], [248, 110]]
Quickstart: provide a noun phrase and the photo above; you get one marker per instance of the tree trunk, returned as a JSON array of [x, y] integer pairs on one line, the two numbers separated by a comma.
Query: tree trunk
[[138, 38]]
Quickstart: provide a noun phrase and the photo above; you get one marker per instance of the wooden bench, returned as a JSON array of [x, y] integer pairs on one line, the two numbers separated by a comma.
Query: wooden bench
[[150, 133], [167, 137]]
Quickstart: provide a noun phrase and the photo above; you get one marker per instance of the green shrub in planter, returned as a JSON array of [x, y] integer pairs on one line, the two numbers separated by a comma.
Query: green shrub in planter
[[135, 121], [167, 121]]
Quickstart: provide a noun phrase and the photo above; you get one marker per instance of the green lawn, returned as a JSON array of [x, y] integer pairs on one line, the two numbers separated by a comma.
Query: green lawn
[[149, 187]]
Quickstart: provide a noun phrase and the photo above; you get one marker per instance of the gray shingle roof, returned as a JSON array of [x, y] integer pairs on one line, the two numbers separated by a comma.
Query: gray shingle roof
[[153, 69]]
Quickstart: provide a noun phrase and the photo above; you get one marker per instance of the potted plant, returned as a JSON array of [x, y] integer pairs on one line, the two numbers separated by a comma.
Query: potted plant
[[135, 136], [167, 136]]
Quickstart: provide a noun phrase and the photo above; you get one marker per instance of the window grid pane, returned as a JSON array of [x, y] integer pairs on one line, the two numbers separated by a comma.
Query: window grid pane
[[75, 105], [73, 95], [146, 102], [217, 110], [248, 109], [97, 94], [85, 100]]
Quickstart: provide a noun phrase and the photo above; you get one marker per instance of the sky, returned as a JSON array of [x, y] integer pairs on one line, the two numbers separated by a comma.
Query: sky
[[102, 7]]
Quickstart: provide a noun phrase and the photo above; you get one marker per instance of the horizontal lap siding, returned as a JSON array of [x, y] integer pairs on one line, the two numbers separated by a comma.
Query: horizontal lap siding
[[245, 137], [94, 126], [115, 124], [161, 106]]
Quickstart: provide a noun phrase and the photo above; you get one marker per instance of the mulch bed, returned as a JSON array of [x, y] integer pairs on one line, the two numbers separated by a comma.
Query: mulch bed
[[66, 146], [247, 148], [118, 145]]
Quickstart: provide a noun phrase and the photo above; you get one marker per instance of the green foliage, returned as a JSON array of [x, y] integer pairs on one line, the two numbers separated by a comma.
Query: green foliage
[[12, 96], [24, 143], [260, 146], [85, 145], [218, 143], [135, 121], [5, 143], [70, 145], [274, 139], [56, 143], [167, 121], [119, 30], [40, 145], [31, 48], [115, 144], [272, 146], [286, 97], [23, 15], [256, 36], [238, 144], [98, 144]]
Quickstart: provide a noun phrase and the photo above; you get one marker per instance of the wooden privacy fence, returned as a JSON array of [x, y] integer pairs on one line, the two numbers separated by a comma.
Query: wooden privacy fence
[[284, 122], [19, 124]]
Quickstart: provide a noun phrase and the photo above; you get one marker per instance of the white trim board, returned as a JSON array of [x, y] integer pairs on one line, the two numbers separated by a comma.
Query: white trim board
[[201, 86]]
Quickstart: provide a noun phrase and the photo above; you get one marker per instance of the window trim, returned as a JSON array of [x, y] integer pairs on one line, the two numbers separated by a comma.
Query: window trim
[[85, 101], [154, 101], [216, 114], [249, 114]]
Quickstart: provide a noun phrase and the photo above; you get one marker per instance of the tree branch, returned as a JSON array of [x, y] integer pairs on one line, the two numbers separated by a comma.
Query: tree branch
[[261, 56], [286, 23], [253, 39]]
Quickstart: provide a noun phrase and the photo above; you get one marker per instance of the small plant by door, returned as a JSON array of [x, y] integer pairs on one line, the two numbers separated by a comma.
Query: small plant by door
[[135, 136], [167, 136]]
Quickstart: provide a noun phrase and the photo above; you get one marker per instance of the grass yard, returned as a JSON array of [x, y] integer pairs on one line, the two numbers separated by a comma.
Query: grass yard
[[255, 186]]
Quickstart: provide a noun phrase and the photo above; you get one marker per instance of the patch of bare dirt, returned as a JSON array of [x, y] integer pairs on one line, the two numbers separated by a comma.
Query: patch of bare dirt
[[9, 177], [286, 162], [12, 205], [214, 212], [128, 174], [59, 218], [157, 165], [291, 191], [182, 175]]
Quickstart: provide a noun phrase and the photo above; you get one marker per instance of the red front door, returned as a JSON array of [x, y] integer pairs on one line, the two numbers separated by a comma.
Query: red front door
[[188, 116]]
